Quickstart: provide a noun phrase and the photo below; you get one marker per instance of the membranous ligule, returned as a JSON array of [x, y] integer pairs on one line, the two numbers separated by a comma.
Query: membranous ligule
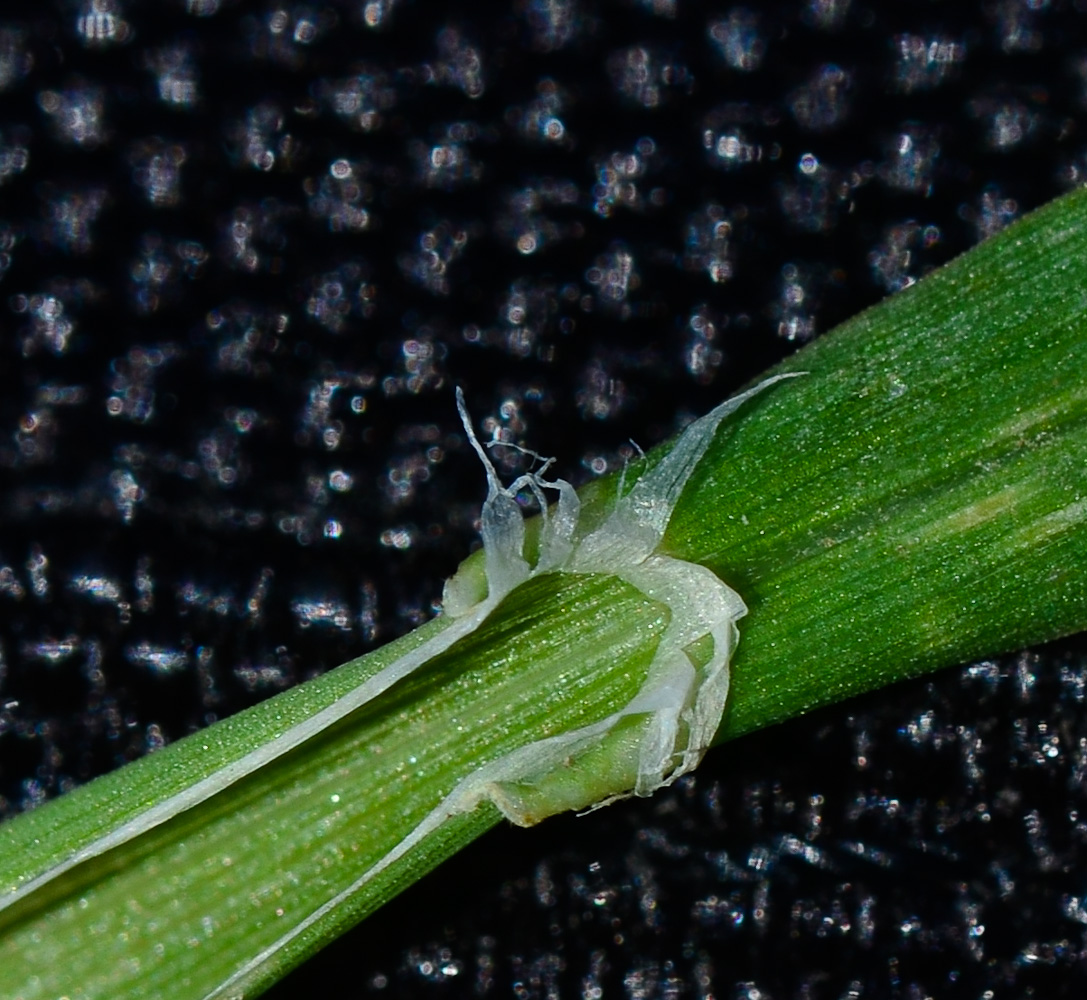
[[664, 730], [669, 723]]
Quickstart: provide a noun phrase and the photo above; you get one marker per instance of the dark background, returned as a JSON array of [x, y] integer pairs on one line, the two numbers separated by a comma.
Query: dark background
[[246, 252]]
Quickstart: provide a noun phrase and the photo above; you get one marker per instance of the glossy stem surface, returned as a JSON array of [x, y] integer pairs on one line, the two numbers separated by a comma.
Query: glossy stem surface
[[918, 499]]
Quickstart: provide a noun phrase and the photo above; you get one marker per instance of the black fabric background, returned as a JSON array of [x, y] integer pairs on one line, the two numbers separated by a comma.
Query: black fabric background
[[224, 478]]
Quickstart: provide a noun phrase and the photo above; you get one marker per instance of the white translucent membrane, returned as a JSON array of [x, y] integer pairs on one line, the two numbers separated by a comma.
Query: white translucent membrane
[[681, 701]]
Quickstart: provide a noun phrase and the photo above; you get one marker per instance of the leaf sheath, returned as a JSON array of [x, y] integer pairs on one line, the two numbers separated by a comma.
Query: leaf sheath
[[916, 500]]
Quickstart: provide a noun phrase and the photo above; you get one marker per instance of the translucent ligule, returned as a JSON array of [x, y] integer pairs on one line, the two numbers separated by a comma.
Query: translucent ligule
[[681, 700]]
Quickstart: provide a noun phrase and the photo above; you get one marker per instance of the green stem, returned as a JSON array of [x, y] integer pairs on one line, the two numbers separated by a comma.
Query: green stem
[[918, 499]]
